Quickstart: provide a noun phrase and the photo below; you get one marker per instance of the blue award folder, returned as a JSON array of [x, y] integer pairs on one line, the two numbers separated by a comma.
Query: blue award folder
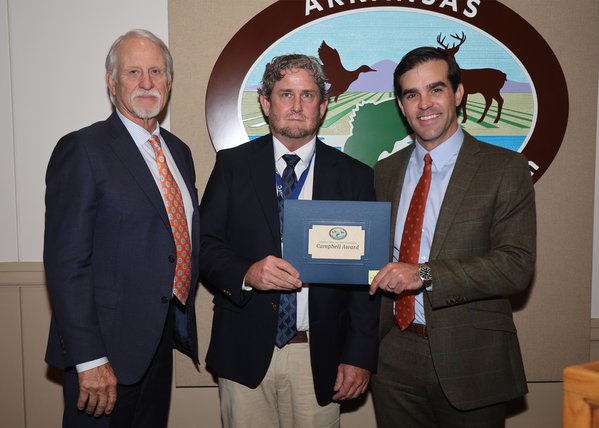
[[336, 242]]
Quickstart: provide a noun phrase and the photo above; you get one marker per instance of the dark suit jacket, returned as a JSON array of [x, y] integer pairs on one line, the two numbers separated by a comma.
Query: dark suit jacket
[[483, 250], [109, 253], [240, 225]]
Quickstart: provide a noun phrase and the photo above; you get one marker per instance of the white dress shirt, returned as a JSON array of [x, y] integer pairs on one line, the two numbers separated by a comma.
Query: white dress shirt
[[306, 154]]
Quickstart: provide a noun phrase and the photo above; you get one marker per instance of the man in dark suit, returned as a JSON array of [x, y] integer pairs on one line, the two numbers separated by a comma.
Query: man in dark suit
[[120, 219], [449, 354], [333, 349]]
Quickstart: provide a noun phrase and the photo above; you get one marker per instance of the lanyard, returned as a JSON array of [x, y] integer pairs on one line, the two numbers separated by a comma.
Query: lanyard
[[298, 186]]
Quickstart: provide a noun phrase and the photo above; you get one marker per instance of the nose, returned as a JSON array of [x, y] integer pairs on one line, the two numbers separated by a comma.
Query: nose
[[297, 104], [146, 81], [424, 102]]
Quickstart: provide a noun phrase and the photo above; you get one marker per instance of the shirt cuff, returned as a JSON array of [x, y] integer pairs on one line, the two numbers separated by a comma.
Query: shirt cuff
[[91, 364], [245, 287]]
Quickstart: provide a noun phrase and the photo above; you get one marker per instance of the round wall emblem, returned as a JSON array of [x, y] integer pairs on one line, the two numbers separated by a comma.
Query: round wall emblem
[[515, 91]]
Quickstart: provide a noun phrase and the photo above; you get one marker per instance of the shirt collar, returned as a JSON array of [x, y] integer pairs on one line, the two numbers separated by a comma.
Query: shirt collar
[[139, 134], [305, 152], [444, 152]]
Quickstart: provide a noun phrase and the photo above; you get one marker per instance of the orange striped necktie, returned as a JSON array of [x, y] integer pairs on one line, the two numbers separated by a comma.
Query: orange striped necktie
[[409, 250], [176, 216]]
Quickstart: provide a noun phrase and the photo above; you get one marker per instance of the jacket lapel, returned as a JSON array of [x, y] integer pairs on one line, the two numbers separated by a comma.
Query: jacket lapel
[[182, 165], [399, 173], [186, 170], [126, 150], [465, 168], [262, 172], [325, 185]]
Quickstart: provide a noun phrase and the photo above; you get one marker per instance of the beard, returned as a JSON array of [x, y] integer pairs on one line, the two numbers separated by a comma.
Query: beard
[[298, 132], [146, 112]]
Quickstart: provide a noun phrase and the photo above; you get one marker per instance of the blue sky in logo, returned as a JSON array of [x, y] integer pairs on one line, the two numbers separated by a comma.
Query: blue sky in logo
[[367, 37]]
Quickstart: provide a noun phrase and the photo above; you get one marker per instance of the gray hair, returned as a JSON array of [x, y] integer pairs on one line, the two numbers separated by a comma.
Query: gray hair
[[274, 72], [112, 57]]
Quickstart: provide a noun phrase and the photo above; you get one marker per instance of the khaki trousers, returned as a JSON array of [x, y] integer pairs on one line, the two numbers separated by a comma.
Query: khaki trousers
[[284, 399]]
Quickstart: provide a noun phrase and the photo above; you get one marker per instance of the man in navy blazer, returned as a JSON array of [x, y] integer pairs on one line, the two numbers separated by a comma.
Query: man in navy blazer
[[109, 252], [335, 349]]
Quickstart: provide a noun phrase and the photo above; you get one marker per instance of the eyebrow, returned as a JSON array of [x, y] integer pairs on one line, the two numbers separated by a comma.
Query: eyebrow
[[296, 89], [430, 86]]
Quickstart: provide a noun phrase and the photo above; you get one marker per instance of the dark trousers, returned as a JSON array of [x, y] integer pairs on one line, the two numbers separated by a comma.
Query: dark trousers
[[407, 393], [143, 404]]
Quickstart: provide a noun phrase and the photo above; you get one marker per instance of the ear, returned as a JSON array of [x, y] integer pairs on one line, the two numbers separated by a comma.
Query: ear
[[110, 83], [459, 94], [265, 104], [323, 107], [400, 106]]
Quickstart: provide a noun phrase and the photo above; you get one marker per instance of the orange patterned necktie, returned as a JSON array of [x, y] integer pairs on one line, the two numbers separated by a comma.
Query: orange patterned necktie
[[176, 216], [409, 251]]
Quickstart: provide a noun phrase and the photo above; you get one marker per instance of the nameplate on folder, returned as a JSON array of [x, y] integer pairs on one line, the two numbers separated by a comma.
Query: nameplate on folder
[[336, 242]]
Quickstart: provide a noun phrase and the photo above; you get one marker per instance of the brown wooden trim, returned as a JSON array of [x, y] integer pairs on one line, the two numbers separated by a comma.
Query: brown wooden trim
[[22, 274]]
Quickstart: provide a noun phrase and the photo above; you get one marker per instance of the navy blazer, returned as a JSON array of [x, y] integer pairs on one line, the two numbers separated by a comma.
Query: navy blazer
[[109, 252], [240, 226]]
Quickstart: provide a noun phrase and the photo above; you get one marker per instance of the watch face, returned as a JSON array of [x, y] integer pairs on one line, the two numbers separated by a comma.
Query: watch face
[[425, 273]]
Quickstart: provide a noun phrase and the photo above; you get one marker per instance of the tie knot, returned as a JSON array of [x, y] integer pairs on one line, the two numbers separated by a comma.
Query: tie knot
[[427, 159], [291, 159], [155, 142]]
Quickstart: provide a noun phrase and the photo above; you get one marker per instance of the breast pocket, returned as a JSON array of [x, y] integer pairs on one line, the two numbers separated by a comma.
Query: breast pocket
[[473, 216]]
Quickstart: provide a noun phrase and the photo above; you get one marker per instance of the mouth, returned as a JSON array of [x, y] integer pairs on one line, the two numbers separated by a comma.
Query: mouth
[[430, 116], [146, 97]]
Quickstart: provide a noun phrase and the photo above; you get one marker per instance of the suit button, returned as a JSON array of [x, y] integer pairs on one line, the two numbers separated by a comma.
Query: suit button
[[274, 306], [172, 259], [164, 299]]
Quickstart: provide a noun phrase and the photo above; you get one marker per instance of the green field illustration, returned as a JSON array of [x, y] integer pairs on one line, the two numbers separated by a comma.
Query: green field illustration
[[369, 126]]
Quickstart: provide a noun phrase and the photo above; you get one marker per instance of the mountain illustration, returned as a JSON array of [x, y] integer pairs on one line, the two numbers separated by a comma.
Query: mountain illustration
[[381, 81]]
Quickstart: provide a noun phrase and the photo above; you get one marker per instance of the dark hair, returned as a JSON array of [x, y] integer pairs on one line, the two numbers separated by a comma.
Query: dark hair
[[425, 54], [274, 72]]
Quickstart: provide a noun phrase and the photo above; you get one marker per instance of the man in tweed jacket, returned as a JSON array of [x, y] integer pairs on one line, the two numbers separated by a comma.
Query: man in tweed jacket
[[459, 361]]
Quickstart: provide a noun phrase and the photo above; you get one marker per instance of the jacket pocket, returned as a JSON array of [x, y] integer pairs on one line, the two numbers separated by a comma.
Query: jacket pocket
[[493, 314]]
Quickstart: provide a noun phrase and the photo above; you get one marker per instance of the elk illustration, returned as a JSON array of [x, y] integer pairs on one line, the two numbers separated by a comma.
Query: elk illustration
[[486, 81]]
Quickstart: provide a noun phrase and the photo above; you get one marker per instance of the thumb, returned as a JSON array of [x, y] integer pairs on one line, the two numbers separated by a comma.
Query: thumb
[[338, 381]]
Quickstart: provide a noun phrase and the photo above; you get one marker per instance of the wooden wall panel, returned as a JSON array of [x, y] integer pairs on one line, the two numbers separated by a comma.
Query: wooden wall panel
[[11, 364], [43, 392]]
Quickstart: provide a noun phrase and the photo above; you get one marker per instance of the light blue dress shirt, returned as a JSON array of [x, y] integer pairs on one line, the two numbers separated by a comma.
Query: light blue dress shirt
[[444, 158]]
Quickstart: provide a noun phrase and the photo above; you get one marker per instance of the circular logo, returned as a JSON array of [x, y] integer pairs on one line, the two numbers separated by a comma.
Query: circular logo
[[515, 91], [338, 233]]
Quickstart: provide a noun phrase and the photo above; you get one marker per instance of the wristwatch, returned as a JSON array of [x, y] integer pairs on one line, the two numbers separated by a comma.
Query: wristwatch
[[425, 274]]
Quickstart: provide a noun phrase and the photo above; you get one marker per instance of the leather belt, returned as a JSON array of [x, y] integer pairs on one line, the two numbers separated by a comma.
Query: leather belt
[[419, 329], [300, 337]]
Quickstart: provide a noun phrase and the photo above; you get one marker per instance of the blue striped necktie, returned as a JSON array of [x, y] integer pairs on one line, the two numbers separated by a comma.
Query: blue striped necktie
[[287, 324]]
